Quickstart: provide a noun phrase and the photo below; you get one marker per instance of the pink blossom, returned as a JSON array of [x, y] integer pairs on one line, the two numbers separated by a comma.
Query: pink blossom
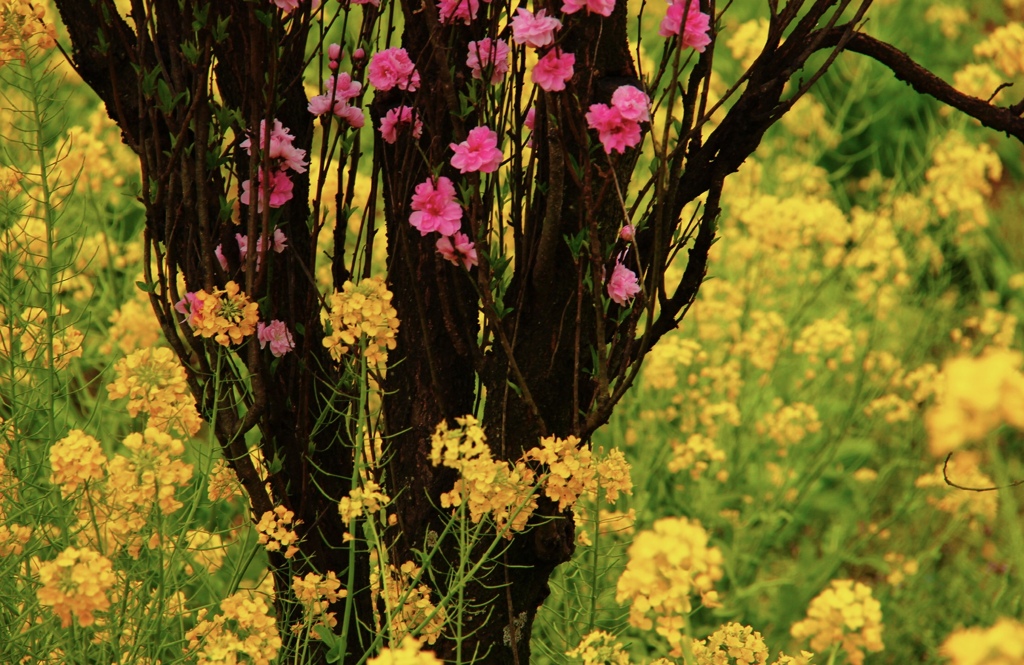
[[279, 242], [192, 307], [465, 10], [531, 118], [375, 3], [622, 285], [402, 115], [553, 70], [218, 252], [485, 54], [460, 251], [392, 67], [534, 31], [353, 116], [615, 132], [281, 149], [287, 5], [280, 190], [339, 90], [436, 208], [602, 7], [479, 152], [627, 232], [359, 53], [632, 103], [698, 24], [277, 335], [334, 51]]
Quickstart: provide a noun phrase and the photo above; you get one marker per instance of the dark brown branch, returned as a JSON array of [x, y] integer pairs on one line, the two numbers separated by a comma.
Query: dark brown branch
[[1003, 119]]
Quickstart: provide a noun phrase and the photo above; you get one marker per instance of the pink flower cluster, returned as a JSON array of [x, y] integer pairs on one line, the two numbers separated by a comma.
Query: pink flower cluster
[[396, 120], [534, 31], [698, 24], [618, 125], [488, 55], [463, 10], [392, 68], [291, 5], [602, 7], [284, 157], [279, 242], [339, 90], [553, 70], [479, 152], [457, 249], [623, 284], [276, 334], [435, 209]]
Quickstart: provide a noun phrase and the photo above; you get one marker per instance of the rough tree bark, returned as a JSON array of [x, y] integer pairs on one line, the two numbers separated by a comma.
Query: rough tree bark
[[156, 76]]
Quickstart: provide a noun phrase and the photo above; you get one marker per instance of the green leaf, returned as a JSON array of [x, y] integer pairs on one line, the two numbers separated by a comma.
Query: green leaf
[[147, 287]]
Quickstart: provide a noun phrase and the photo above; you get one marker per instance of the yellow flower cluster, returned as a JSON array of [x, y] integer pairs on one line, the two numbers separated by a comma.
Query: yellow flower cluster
[[949, 18], [316, 593], [807, 122], [76, 585], [828, 337], [696, 455], [205, 549], [223, 483], [407, 603], [994, 328], [506, 491], [33, 335], [599, 648], [977, 395], [76, 459], [900, 567], [23, 24], [277, 530], [155, 383], [570, 468], [358, 311], [736, 644], [670, 353], [408, 653], [154, 468], [1005, 47], [115, 512], [747, 40], [1002, 644], [667, 565], [366, 499], [485, 485], [963, 470], [227, 315], [960, 180], [762, 339], [845, 614], [26, 243], [132, 327], [789, 424], [244, 631], [978, 80]]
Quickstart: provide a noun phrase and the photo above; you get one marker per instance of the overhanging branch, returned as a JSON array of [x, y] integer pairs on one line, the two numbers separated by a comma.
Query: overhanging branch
[[1003, 119]]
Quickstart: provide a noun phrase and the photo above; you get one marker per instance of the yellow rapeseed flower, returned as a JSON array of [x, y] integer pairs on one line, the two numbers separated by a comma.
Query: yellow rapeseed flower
[[76, 585], [362, 311], [667, 565], [845, 614], [408, 653], [155, 383], [1002, 644], [244, 628]]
